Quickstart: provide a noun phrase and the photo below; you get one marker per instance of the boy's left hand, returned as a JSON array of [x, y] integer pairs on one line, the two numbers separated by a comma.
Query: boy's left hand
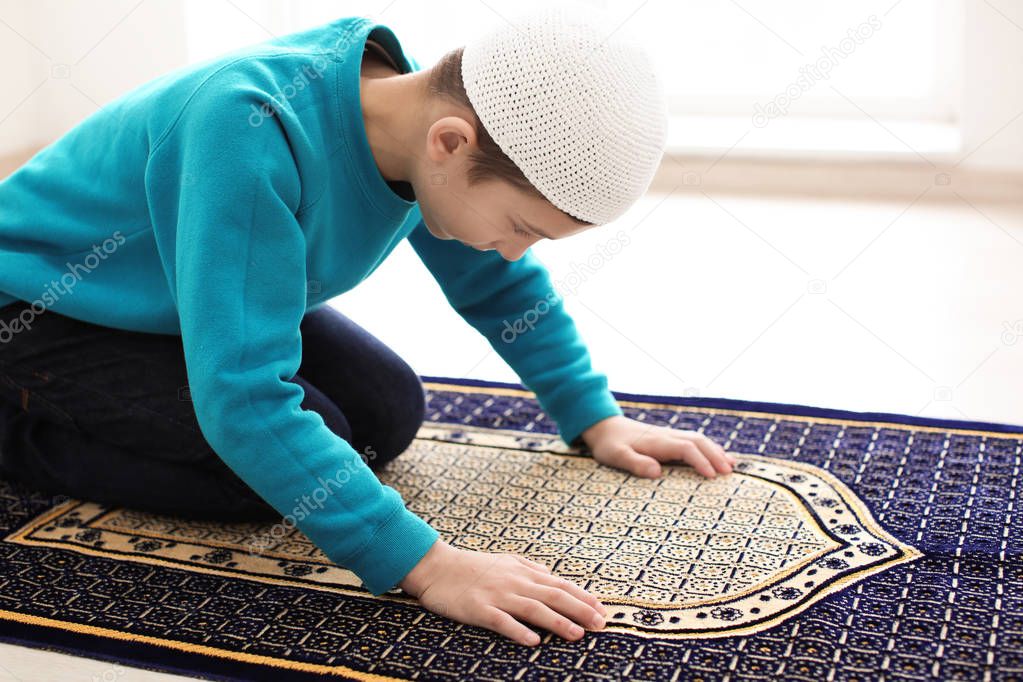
[[638, 448]]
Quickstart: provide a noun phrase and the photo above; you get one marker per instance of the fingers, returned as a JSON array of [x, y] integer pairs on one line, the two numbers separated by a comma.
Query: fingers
[[703, 454], [665, 445], [569, 605], [662, 445], [636, 464], [542, 615], [557, 582], [540, 598], [723, 460], [695, 457], [503, 623], [712, 447]]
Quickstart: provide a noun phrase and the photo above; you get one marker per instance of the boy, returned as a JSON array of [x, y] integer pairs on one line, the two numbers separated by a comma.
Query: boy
[[232, 199]]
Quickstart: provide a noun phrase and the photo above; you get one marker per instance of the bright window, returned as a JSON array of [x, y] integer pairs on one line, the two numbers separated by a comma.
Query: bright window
[[809, 75]]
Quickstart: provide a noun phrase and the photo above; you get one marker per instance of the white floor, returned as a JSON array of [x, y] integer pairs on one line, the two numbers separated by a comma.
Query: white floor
[[891, 307], [863, 306]]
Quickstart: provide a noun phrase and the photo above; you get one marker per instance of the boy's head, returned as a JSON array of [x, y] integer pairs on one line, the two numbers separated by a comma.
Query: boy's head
[[540, 130], [474, 192]]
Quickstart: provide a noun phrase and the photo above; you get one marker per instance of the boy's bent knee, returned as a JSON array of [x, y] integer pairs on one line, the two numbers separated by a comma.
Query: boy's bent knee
[[405, 414]]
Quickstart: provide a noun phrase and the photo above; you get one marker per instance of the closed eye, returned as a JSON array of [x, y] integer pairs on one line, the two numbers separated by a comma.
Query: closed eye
[[522, 232]]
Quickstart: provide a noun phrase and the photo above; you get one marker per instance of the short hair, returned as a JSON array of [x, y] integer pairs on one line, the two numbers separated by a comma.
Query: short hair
[[489, 162]]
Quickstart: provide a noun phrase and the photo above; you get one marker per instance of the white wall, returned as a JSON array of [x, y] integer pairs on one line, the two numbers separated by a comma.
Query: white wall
[[21, 71], [105, 48], [992, 94], [82, 54]]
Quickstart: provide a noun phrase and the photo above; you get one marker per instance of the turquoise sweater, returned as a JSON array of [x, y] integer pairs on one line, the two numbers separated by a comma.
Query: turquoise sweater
[[224, 200]]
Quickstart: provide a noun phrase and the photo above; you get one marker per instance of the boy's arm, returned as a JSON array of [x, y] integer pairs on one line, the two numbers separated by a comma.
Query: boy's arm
[[515, 306], [228, 192], [494, 295]]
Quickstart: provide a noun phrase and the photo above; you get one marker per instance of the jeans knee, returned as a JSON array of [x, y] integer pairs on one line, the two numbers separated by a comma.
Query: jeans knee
[[409, 412], [405, 415], [417, 404]]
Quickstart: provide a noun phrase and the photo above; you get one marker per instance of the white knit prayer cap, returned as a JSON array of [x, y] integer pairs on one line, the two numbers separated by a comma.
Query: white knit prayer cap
[[573, 100]]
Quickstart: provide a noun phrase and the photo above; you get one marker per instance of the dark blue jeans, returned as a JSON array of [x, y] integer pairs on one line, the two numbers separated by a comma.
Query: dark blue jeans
[[103, 414]]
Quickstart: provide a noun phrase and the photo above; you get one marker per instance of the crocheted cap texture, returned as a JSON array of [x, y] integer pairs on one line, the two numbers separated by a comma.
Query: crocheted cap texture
[[574, 102]]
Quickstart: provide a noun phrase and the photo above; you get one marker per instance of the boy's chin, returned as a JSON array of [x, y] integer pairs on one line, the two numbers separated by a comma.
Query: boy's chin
[[436, 232]]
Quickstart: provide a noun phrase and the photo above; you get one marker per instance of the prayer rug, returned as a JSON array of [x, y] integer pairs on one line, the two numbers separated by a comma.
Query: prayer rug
[[844, 546]]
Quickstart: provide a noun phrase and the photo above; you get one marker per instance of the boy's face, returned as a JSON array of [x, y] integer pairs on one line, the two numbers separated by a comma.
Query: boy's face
[[493, 214]]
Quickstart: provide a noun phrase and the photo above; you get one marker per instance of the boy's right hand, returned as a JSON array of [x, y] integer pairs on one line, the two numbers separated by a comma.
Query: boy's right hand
[[492, 590]]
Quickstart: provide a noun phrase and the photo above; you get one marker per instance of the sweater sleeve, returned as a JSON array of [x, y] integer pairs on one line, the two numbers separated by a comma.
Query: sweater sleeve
[[515, 306], [228, 193]]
